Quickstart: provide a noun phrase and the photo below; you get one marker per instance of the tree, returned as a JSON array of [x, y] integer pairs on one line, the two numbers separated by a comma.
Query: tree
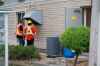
[[76, 39]]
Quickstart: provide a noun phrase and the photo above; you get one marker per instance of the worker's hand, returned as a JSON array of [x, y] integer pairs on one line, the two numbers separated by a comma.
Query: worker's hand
[[36, 37]]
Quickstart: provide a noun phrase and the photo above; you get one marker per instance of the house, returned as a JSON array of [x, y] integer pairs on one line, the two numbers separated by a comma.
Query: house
[[54, 16]]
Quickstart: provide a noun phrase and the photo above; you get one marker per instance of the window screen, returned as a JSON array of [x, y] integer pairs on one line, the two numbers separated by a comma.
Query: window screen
[[1, 21]]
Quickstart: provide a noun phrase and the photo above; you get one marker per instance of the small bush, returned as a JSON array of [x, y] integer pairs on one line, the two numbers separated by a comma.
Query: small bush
[[22, 53], [76, 39], [2, 50]]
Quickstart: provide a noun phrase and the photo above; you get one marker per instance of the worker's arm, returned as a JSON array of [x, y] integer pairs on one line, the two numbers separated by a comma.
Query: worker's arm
[[35, 33], [35, 36]]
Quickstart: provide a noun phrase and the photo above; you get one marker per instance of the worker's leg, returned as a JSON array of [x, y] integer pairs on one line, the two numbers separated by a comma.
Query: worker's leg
[[25, 42], [30, 42], [18, 40], [22, 42]]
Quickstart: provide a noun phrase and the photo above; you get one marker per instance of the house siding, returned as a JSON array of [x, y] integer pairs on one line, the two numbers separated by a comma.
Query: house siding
[[11, 28], [53, 24], [53, 19]]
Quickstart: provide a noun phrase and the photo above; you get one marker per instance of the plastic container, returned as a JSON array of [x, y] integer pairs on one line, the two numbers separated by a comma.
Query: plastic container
[[68, 53]]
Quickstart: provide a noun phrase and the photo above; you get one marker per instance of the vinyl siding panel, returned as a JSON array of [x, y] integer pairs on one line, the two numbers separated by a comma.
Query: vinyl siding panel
[[53, 20], [12, 28]]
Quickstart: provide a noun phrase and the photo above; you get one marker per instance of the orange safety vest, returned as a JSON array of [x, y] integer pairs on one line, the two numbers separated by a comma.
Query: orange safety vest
[[30, 32], [18, 31]]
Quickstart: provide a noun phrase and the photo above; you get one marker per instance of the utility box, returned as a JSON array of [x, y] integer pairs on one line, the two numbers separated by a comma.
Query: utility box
[[54, 48]]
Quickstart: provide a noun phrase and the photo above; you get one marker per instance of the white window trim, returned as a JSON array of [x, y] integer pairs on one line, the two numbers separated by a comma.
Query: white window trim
[[85, 17]]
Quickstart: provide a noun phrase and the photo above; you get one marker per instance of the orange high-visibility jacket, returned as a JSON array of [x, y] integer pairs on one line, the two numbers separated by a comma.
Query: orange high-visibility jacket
[[30, 32], [18, 31]]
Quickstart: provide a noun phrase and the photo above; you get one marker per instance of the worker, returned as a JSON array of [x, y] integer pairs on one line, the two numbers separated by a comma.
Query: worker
[[30, 33], [19, 33]]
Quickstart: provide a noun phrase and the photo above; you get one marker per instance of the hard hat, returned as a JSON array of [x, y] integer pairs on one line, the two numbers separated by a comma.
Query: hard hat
[[29, 21]]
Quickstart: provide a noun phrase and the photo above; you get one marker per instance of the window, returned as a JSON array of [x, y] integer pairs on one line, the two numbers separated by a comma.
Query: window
[[36, 15], [1, 21], [1, 27], [73, 17], [87, 15]]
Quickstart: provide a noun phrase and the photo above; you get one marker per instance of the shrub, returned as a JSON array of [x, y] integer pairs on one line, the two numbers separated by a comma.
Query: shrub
[[22, 53], [2, 50], [76, 39]]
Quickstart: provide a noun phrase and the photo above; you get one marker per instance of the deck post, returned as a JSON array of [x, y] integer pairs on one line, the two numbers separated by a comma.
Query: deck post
[[6, 39], [94, 55]]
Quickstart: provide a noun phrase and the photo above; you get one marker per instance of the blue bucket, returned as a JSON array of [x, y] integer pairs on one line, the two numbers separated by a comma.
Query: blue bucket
[[68, 53]]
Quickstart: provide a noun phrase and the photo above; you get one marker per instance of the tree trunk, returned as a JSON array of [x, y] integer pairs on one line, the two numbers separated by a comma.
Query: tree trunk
[[76, 58]]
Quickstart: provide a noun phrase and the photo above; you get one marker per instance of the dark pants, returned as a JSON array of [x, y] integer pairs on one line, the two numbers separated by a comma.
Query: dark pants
[[30, 42], [20, 40]]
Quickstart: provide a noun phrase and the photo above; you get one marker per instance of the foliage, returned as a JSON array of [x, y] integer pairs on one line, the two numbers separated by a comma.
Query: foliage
[[76, 39], [2, 50], [22, 53]]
